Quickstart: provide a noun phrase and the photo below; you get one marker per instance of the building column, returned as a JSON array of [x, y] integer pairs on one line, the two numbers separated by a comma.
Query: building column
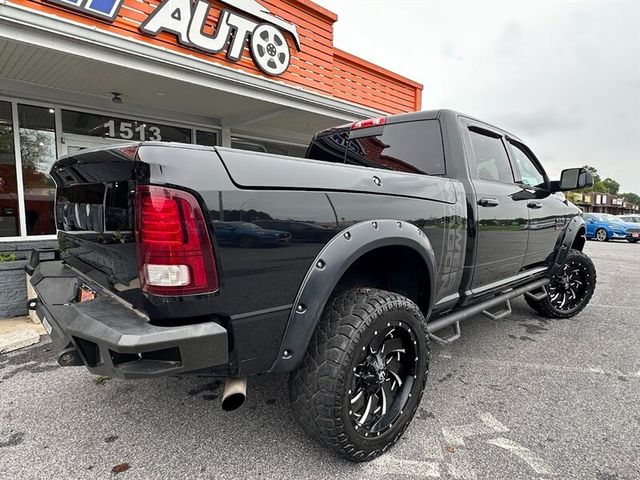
[[225, 137]]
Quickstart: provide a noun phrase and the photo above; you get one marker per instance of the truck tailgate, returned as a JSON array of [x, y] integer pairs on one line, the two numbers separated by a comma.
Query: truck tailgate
[[95, 217]]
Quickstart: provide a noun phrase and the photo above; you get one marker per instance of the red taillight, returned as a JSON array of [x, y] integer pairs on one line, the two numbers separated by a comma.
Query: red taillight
[[371, 122], [175, 254]]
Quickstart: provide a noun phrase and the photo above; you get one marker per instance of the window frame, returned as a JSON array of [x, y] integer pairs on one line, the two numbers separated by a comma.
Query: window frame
[[482, 129], [532, 158], [57, 154]]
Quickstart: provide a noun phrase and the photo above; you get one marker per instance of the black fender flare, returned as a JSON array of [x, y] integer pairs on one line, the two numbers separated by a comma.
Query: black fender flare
[[327, 270], [566, 242]]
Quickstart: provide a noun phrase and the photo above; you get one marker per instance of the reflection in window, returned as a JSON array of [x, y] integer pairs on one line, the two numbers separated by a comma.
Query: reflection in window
[[9, 218], [329, 148], [38, 152], [414, 147], [529, 174], [491, 158]]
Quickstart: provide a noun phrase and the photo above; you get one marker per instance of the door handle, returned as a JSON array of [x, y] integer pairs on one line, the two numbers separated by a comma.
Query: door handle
[[534, 205], [488, 202]]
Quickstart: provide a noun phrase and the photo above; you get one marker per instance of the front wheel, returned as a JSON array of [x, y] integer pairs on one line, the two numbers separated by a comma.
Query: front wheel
[[363, 375], [570, 291], [601, 235]]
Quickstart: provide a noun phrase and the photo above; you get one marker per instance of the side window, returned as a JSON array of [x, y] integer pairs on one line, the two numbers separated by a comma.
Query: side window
[[491, 157], [529, 173], [414, 147]]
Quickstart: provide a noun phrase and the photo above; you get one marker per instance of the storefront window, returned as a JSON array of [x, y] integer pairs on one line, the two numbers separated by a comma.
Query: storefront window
[[38, 153], [9, 219], [268, 147], [208, 139], [93, 125]]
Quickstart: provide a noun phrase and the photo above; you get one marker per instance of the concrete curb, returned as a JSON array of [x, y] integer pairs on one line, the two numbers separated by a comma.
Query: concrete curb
[[20, 339]]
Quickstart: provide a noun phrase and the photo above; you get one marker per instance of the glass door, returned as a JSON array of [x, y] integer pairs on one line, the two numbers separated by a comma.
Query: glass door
[[76, 143]]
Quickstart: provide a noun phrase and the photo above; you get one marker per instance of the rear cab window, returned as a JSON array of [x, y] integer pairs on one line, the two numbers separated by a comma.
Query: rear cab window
[[413, 147]]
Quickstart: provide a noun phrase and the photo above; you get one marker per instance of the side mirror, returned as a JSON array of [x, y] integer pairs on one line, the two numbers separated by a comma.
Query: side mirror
[[573, 179]]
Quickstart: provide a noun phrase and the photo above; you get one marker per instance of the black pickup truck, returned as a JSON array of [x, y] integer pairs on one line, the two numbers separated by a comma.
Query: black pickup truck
[[339, 268]]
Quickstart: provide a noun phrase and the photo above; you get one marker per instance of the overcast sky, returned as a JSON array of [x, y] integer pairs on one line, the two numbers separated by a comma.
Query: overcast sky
[[562, 75]]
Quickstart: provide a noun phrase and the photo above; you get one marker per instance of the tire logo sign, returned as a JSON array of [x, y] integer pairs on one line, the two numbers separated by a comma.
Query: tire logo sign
[[268, 44], [270, 50]]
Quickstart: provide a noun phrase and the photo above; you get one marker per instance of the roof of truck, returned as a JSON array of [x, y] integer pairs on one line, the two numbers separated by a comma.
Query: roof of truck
[[414, 116]]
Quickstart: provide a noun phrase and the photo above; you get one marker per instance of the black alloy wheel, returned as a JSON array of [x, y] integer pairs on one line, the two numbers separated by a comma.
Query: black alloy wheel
[[567, 290], [383, 379], [570, 290]]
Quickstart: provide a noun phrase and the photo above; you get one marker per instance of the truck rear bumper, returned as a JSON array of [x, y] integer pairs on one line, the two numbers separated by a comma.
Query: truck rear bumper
[[110, 338]]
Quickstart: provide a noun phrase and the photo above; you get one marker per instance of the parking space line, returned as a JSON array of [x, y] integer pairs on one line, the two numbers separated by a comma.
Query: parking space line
[[544, 366], [600, 305], [388, 465], [493, 423], [529, 457], [454, 436]]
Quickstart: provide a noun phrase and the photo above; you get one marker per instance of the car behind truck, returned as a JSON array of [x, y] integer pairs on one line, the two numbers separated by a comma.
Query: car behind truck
[[339, 268]]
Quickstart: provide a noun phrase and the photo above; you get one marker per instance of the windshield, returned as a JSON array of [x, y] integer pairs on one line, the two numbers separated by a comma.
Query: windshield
[[612, 219]]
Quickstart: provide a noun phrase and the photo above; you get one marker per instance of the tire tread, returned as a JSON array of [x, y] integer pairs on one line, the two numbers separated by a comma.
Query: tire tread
[[314, 383]]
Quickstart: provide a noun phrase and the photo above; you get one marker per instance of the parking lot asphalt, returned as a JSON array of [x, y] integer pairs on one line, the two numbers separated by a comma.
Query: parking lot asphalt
[[521, 397]]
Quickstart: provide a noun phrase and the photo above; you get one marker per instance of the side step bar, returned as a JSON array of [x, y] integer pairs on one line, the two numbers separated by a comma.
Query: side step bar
[[483, 308], [500, 314], [541, 295]]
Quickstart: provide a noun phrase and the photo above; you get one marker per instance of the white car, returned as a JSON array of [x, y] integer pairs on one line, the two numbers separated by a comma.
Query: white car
[[630, 218]]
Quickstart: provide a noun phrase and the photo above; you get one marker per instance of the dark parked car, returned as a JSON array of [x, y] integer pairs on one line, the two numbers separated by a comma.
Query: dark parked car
[[302, 231], [247, 235], [438, 217], [604, 227]]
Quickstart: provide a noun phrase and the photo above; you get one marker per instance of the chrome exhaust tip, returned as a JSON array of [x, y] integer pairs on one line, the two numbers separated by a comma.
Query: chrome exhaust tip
[[235, 393]]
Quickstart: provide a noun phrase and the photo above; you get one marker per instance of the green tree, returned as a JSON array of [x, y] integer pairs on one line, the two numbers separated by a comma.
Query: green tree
[[632, 198], [594, 172], [609, 185]]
